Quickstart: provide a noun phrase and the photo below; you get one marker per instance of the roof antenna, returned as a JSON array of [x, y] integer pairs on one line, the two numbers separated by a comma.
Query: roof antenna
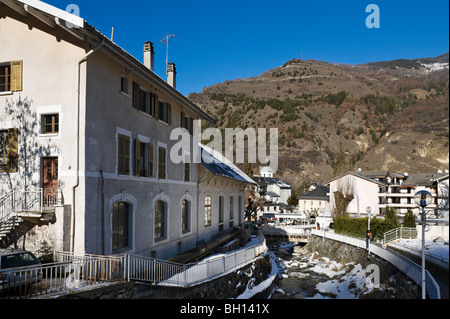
[[166, 40], [112, 34]]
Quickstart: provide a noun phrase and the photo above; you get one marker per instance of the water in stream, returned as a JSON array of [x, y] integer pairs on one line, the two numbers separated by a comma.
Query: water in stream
[[304, 275]]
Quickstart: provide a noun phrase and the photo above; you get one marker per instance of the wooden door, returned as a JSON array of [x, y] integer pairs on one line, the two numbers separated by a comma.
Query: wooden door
[[50, 180]]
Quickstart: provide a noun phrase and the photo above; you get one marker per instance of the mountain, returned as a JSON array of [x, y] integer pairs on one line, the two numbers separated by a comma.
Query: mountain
[[390, 115]]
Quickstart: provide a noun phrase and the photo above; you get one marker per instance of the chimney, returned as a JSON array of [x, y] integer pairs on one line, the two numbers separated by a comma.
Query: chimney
[[149, 56], [172, 75]]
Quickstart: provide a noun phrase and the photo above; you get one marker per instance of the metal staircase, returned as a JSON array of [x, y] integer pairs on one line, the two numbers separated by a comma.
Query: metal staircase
[[21, 210]]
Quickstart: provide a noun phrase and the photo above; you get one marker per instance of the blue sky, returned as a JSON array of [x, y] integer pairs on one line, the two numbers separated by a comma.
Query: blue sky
[[219, 40]]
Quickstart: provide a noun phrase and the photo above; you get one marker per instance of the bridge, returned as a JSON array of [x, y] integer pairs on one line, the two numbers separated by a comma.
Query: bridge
[[292, 233]]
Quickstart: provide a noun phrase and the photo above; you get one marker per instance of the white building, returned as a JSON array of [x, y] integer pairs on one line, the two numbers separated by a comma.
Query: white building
[[85, 135], [315, 201], [382, 189]]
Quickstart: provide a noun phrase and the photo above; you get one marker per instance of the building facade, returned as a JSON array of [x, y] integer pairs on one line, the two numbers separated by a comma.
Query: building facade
[[89, 122], [381, 189], [315, 201]]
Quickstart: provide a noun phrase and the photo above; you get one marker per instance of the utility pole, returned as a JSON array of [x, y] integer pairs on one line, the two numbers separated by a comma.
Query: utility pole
[[166, 41]]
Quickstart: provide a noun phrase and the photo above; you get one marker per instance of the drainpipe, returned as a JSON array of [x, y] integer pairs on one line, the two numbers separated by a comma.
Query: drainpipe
[[77, 183]]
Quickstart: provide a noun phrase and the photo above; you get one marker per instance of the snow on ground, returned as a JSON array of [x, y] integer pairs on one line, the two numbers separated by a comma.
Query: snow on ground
[[436, 248], [430, 67], [252, 290]]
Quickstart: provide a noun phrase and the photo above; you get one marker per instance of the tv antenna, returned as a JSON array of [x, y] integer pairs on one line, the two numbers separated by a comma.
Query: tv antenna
[[166, 41]]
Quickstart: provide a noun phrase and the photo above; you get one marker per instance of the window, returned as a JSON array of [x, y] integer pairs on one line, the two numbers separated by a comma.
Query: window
[[161, 163], [160, 220], [143, 155], [11, 76], [164, 112], [185, 216], [124, 84], [8, 150], [221, 213], [207, 211], [146, 102], [50, 123], [187, 123], [121, 226], [123, 155], [240, 209], [231, 210]]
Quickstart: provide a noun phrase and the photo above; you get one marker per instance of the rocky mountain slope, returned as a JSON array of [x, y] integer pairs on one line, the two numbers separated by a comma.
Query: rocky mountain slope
[[390, 115]]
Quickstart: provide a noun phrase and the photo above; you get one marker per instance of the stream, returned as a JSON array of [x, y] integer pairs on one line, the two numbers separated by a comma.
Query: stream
[[305, 275]]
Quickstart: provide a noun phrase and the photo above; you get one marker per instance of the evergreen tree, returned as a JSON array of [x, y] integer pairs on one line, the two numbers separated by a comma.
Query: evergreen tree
[[409, 220], [391, 218]]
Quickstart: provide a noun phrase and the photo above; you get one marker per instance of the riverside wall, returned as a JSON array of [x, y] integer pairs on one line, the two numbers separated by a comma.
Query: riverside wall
[[344, 253]]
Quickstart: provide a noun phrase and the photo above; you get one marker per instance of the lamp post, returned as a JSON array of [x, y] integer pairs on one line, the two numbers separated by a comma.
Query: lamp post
[[423, 199], [368, 210]]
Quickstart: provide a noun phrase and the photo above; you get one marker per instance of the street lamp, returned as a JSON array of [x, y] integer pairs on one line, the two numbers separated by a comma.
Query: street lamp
[[368, 210], [423, 199]]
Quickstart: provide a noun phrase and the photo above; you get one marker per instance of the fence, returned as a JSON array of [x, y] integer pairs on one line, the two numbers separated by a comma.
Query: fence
[[165, 273], [411, 269], [70, 272], [39, 199], [73, 271], [400, 233]]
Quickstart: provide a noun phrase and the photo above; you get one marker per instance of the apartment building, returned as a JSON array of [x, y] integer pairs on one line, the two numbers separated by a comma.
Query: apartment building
[[382, 189], [86, 126]]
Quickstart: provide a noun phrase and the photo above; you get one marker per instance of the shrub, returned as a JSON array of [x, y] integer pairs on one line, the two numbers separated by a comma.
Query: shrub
[[357, 227]]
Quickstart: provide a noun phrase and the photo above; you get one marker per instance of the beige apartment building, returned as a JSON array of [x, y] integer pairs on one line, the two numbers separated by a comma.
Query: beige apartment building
[[85, 145]]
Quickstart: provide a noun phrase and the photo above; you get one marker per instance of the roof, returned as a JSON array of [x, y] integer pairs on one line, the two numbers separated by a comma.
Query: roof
[[272, 194], [320, 192], [374, 174], [219, 165], [264, 181], [79, 28], [423, 179], [356, 174]]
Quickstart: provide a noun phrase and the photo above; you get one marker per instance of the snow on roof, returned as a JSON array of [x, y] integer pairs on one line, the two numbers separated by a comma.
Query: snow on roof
[[218, 164]]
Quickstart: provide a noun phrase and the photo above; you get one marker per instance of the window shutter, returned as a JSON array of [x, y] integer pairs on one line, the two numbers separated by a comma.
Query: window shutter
[[157, 109], [169, 114], [136, 95], [150, 160], [126, 153], [13, 150], [16, 76], [154, 104], [137, 156]]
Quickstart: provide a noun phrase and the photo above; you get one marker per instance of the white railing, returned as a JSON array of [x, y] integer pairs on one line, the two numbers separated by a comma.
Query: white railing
[[411, 269], [400, 233], [69, 273], [33, 200], [166, 273], [74, 271]]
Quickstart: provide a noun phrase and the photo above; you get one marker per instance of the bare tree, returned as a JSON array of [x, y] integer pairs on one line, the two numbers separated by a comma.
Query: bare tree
[[343, 196], [27, 150]]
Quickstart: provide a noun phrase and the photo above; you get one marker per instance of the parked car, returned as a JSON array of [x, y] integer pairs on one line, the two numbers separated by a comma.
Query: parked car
[[18, 268]]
